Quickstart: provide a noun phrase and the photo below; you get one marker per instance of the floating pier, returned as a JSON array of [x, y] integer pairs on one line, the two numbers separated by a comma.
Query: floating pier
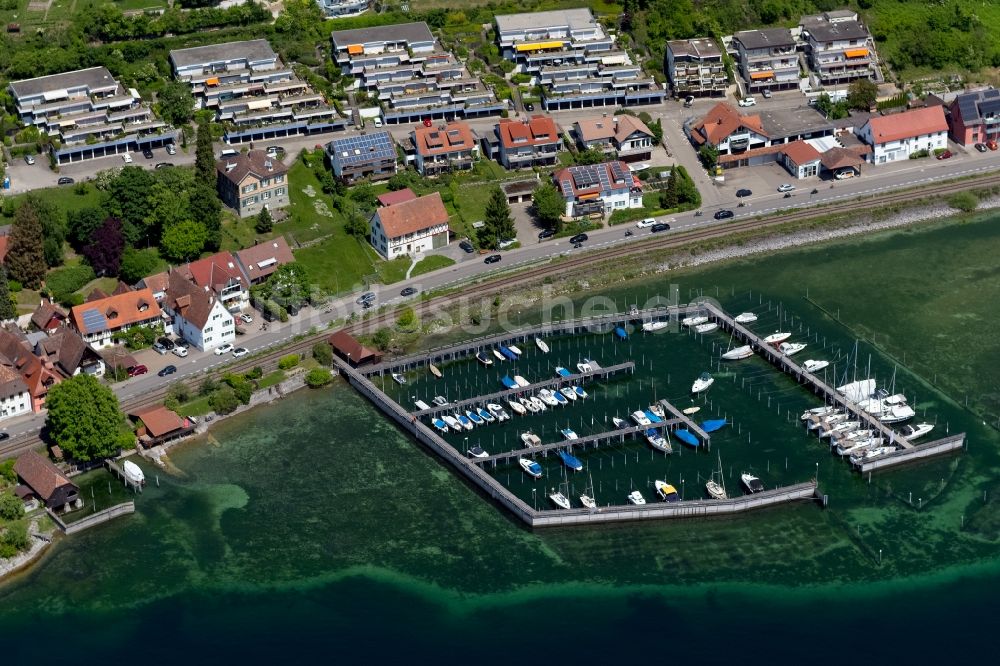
[[913, 453]]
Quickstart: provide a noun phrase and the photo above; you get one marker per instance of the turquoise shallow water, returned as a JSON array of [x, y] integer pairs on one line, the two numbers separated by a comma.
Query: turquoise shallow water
[[313, 528]]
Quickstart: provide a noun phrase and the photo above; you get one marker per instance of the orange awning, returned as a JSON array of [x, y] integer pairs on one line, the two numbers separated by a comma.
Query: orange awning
[[756, 76], [856, 53], [214, 81], [355, 49], [585, 197]]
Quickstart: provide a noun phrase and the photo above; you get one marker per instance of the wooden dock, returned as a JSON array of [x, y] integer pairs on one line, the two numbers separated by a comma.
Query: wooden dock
[[681, 417], [116, 469], [534, 387]]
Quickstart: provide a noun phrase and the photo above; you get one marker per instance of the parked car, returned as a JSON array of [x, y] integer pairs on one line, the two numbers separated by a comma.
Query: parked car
[[377, 122], [171, 149], [409, 291], [4, 435], [786, 187], [579, 238], [167, 343], [660, 226], [688, 102], [492, 259], [367, 297], [167, 370], [159, 348], [743, 192], [844, 174], [981, 147], [748, 101], [240, 351], [946, 155], [223, 349], [766, 93], [246, 318], [65, 180], [467, 247], [180, 351], [126, 158], [163, 165], [529, 107], [29, 159], [992, 145], [546, 233], [648, 222], [147, 153], [723, 214], [136, 370]]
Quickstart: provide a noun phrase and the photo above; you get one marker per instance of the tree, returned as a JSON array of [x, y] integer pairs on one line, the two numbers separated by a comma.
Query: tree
[[130, 196], [318, 377], [590, 156], [656, 128], [323, 353], [82, 223], [8, 309], [206, 210], [53, 222], [548, 205], [176, 103], [288, 286], [84, 419], [223, 400], [11, 508], [382, 339], [183, 241], [498, 223], [861, 94], [204, 156], [25, 259], [104, 252], [364, 195], [137, 264], [668, 197], [264, 223]]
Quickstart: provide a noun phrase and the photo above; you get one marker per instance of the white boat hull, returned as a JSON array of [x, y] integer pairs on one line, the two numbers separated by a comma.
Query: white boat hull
[[542, 346], [701, 385], [706, 328], [653, 326], [738, 353], [746, 318], [777, 337]]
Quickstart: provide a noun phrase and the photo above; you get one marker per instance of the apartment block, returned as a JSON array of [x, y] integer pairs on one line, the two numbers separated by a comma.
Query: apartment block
[[523, 144], [411, 77], [598, 189], [695, 68], [839, 48], [768, 59], [256, 95], [355, 158], [575, 61], [975, 117], [442, 148], [343, 8], [90, 114]]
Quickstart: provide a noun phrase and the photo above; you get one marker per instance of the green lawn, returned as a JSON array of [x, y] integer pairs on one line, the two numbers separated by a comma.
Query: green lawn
[[271, 379], [431, 263], [394, 271], [196, 407], [311, 214], [66, 197], [339, 264]]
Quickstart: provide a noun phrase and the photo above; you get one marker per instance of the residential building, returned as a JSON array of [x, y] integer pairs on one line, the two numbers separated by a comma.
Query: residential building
[[801, 158], [975, 117], [399, 196], [251, 181], [625, 137], [256, 95], [89, 114], [598, 189], [839, 48], [98, 320], [695, 68], [258, 262], [522, 144], [47, 482], [48, 317], [14, 396], [197, 315], [343, 8], [156, 424], [899, 135], [405, 71], [356, 157], [768, 59], [413, 226], [577, 64], [155, 283], [220, 274], [66, 352], [443, 148], [17, 355]]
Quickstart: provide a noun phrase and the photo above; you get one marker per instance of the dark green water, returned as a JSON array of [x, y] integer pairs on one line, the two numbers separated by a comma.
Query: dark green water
[[313, 528]]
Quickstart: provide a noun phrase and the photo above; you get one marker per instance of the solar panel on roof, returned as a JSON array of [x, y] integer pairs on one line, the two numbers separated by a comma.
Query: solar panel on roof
[[364, 148], [93, 320], [990, 93], [617, 172]]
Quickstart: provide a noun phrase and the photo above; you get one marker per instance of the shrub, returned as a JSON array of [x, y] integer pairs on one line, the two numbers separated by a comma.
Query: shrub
[[62, 282], [917, 154], [208, 386], [241, 386], [288, 362], [255, 373], [318, 377], [12, 508], [14, 286], [322, 352], [964, 201], [223, 400]]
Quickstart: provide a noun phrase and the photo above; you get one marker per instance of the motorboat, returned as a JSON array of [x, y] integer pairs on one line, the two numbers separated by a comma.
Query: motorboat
[[452, 423], [751, 482], [478, 452], [521, 381], [421, 405], [619, 423], [559, 500], [869, 454], [569, 393], [517, 407], [814, 366], [508, 382], [474, 417], [666, 491], [499, 356], [653, 326], [562, 372], [791, 348], [652, 416], [843, 426], [560, 398], [691, 410], [484, 359], [817, 411], [745, 318], [398, 378], [440, 425], [691, 322], [440, 400], [507, 353], [133, 473], [571, 461], [531, 439], [537, 402], [621, 333], [706, 328], [777, 337], [436, 371], [580, 393], [702, 383], [516, 351], [738, 353], [687, 437], [897, 414], [485, 415], [915, 432], [569, 434], [640, 418], [657, 410], [588, 502], [542, 346], [658, 441], [497, 411], [464, 420], [584, 366], [548, 398], [714, 424], [635, 497], [530, 467], [530, 405]]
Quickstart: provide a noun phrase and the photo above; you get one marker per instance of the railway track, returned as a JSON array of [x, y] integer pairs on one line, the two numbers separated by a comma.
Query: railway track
[[268, 361]]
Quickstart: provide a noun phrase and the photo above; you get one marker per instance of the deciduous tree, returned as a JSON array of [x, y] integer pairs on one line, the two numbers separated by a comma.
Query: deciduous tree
[[137, 264], [183, 241], [84, 419], [82, 223], [548, 205], [176, 103], [104, 252], [861, 94], [129, 199]]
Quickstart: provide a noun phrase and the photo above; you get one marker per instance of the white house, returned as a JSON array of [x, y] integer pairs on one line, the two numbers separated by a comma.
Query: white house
[[899, 135], [598, 188], [409, 227], [14, 396], [98, 320], [197, 314]]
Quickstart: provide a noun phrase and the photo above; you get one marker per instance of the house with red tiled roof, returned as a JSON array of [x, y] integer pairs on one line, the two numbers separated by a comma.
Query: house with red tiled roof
[[16, 354], [624, 136], [729, 131], [261, 260], [197, 314], [598, 189], [155, 283], [46, 481], [801, 159], [14, 396], [66, 353], [157, 424], [220, 273], [522, 144], [99, 319], [48, 317], [399, 196], [441, 148], [410, 227], [251, 181], [899, 135]]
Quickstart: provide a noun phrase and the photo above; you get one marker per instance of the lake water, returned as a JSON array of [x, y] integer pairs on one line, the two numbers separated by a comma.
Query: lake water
[[314, 528]]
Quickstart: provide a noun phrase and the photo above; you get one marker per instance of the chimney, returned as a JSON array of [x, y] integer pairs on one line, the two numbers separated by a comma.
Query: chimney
[[268, 165]]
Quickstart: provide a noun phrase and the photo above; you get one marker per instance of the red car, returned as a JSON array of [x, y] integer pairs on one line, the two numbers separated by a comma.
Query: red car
[[137, 370], [992, 145], [946, 155]]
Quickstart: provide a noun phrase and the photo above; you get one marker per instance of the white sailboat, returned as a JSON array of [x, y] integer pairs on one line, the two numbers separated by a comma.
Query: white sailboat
[[542, 346], [717, 489], [588, 499], [517, 407], [516, 351], [653, 326], [738, 353], [133, 473], [745, 318], [559, 500], [706, 328], [691, 322]]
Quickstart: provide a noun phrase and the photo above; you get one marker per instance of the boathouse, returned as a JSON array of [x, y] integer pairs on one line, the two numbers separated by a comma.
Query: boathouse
[[347, 347], [45, 481], [157, 424]]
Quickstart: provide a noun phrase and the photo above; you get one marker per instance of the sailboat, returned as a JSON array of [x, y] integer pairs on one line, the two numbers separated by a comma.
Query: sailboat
[[521, 381], [542, 346], [517, 407], [706, 328], [717, 490], [658, 441], [499, 356], [687, 437], [653, 326], [691, 322], [559, 499], [738, 353], [588, 499], [516, 351], [714, 424], [776, 337]]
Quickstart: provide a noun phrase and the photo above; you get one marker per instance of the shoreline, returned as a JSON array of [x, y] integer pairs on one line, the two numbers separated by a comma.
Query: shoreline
[[22, 562]]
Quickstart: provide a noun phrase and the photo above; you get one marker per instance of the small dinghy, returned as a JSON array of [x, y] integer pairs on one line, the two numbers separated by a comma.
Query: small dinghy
[[421, 405], [516, 351], [521, 381], [702, 383], [508, 382], [499, 356], [714, 424], [791, 348], [635, 497], [559, 500], [666, 491], [440, 400], [777, 337], [478, 452], [691, 322], [687, 437], [745, 318], [571, 461], [814, 366], [133, 473], [569, 392], [398, 378], [436, 371], [440, 425], [531, 439], [474, 417], [653, 326], [738, 353], [620, 333], [569, 434], [691, 410], [706, 328], [542, 346], [484, 359], [562, 372], [517, 407], [485, 415], [530, 467]]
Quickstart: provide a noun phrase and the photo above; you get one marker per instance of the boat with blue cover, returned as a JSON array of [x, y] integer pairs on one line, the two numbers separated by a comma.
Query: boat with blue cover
[[620, 332], [464, 421], [714, 424], [687, 437], [440, 425], [485, 415], [508, 382], [562, 372], [580, 392], [516, 351], [530, 467], [560, 398], [508, 354], [571, 461], [474, 417], [653, 418]]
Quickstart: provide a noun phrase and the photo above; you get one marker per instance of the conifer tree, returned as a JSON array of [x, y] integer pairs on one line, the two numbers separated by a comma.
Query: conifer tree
[[25, 259]]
